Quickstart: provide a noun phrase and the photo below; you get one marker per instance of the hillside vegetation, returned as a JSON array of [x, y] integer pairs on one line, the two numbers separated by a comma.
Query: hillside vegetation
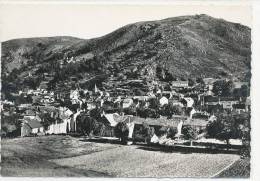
[[186, 46]]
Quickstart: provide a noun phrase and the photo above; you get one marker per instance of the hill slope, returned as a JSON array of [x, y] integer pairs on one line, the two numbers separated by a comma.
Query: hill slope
[[186, 46]]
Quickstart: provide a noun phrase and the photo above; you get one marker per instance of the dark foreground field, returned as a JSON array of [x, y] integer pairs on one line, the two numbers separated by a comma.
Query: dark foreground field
[[30, 156], [69, 156], [240, 169]]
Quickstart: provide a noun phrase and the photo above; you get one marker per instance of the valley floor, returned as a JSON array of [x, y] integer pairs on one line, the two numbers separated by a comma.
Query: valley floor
[[68, 156]]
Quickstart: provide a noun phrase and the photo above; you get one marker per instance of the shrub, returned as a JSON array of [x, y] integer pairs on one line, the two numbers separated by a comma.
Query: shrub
[[189, 133], [144, 113], [162, 131], [170, 132], [144, 133], [86, 124], [130, 111], [154, 103], [11, 125], [169, 110], [122, 131]]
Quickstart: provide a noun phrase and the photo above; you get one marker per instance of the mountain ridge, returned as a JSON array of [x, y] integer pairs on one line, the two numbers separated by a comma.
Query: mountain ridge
[[185, 46]]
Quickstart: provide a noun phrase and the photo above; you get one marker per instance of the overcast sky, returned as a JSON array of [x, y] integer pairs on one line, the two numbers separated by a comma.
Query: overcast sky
[[89, 21]]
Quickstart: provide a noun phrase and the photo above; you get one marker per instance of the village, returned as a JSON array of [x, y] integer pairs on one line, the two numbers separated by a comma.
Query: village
[[172, 112]]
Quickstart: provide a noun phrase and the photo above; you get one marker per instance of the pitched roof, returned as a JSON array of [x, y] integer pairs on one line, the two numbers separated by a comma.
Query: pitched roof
[[111, 119], [239, 106], [115, 118], [30, 112], [248, 101], [209, 80], [162, 121], [33, 123], [173, 122], [48, 109], [196, 122], [216, 99]]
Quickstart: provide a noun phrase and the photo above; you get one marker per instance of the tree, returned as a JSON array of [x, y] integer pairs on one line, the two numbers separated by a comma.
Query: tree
[[189, 133], [228, 88], [168, 76], [147, 132], [46, 120], [96, 113], [74, 107], [225, 127], [86, 125], [188, 110], [244, 91], [144, 113], [191, 82], [22, 100], [222, 88], [171, 132], [122, 131], [159, 72], [163, 131], [139, 92], [184, 102], [130, 111], [245, 128], [154, 103], [11, 124], [200, 80], [169, 110]]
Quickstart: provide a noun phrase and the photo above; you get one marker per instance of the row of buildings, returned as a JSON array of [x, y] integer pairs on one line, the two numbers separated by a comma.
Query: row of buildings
[[63, 107]]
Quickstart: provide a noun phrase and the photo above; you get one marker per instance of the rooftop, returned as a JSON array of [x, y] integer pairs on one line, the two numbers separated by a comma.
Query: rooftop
[[163, 121], [33, 123]]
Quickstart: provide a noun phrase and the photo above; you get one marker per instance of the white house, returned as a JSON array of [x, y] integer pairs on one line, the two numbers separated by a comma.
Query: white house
[[91, 105], [31, 126], [73, 123], [212, 118], [64, 125], [180, 84], [141, 98], [30, 91], [118, 99], [163, 101], [192, 112], [177, 103], [59, 128], [127, 103], [189, 101], [74, 94], [111, 118], [167, 94]]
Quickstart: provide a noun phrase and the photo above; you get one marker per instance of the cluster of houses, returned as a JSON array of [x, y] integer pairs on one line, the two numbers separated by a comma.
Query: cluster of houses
[[119, 95]]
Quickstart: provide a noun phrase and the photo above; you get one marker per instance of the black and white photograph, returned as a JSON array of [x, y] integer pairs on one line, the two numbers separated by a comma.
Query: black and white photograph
[[126, 90]]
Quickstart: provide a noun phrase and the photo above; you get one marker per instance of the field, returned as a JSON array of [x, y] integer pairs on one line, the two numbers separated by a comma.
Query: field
[[30, 156], [69, 156]]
